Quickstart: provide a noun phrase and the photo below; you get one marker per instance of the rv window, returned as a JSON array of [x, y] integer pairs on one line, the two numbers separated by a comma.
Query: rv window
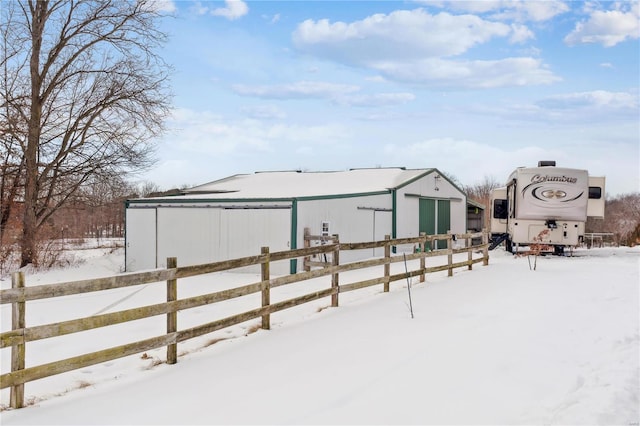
[[595, 192], [500, 209]]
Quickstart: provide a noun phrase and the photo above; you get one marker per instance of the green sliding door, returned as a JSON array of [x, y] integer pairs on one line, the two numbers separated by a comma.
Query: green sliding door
[[435, 218]]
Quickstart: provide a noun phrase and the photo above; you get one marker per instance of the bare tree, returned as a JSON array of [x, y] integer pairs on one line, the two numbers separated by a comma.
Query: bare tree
[[96, 210], [84, 94], [146, 188], [11, 161], [622, 217], [481, 193]]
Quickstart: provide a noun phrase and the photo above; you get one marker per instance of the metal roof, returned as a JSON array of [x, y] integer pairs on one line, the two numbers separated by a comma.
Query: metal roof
[[298, 184]]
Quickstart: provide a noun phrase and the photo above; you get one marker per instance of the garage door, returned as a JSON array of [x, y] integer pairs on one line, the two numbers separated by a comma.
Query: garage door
[[435, 218], [140, 239]]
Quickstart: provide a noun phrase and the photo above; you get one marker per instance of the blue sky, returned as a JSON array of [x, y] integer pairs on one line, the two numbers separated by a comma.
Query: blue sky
[[474, 88]]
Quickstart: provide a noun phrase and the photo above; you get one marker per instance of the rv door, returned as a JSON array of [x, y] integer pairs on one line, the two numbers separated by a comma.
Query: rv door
[[499, 211]]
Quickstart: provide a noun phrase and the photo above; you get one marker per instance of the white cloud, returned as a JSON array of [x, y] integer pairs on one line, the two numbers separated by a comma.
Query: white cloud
[[341, 94], [216, 145], [272, 19], [520, 34], [415, 46], [470, 160], [607, 28], [469, 74], [298, 90], [536, 11], [264, 112], [376, 79], [461, 157], [198, 9], [600, 99], [234, 9], [400, 35], [204, 133], [595, 109], [376, 100]]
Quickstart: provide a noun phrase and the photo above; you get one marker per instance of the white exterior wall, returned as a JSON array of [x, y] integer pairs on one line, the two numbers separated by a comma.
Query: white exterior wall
[[352, 224], [189, 234], [408, 205], [140, 238], [200, 234]]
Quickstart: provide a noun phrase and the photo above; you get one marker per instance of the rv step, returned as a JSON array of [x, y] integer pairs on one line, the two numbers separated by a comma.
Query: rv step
[[497, 240]]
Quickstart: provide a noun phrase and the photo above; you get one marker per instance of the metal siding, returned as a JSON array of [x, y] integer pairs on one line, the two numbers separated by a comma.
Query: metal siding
[[343, 215], [381, 228], [244, 231], [141, 239], [190, 234], [200, 234], [346, 220]]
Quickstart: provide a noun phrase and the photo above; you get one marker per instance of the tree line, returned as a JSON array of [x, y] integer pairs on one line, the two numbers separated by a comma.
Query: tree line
[[97, 210]]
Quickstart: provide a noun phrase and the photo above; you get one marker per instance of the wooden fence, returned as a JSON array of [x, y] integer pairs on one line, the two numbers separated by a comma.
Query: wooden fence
[[20, 294]]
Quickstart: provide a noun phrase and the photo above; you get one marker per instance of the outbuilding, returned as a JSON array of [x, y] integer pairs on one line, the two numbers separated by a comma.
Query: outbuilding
[[236, 216]]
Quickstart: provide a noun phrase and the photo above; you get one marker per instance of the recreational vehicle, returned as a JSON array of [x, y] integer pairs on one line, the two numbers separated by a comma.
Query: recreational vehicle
[[545, 205]]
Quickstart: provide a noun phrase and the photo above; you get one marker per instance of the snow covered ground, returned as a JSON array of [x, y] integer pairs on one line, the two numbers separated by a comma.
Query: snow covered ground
[[501, 344]]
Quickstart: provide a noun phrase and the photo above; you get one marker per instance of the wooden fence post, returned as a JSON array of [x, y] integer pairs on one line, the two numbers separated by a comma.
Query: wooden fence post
[[266, 288], [16, 398], [335, 279], [449, 253], [307, 244], [469, 252], [423, 247], [485, 250], [172, 317], [387, 263]]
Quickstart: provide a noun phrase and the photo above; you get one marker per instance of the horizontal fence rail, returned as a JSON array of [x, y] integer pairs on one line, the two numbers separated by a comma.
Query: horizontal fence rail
[[18, 296]]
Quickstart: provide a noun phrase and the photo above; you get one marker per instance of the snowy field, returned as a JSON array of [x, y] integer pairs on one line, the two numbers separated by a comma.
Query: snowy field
[[501, 344]]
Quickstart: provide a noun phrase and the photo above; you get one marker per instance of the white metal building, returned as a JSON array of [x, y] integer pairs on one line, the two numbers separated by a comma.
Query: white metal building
[[236, 216]]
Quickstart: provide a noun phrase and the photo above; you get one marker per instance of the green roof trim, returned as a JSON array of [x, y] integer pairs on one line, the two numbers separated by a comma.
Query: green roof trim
[[394, 216], [205, 200], [251, 200], [336, 196], [293, 263], [415, 178]]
